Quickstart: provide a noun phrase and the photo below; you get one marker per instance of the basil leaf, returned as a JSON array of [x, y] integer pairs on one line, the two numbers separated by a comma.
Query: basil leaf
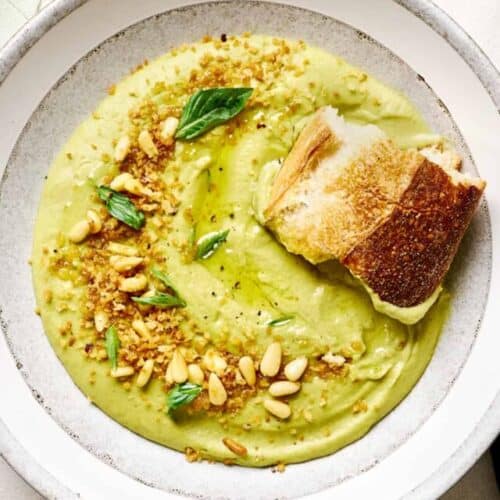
[[210, 107], [112, 345], [182, 394], [162, 300], [209, 243], [120, 207], [165, 280], [280, 321]]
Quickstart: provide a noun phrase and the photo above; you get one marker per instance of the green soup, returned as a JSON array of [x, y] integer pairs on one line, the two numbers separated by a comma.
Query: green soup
[[250, 280]]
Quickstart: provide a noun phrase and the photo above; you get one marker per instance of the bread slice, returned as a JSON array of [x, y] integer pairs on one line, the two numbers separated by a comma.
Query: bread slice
[[394, 217]]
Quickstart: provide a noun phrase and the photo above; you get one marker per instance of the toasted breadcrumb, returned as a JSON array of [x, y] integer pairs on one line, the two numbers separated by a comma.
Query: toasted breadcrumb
[[88, 265]]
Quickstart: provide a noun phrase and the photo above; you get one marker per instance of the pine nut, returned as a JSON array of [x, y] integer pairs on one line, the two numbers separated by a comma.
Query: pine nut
[[135, 187], [100, 321], [213, 362], [146, 144], [134, 284], [145, 373], [296, 368], [79, 231], [118, 183], [123, 249], [122, 263], [125, 182], [220, 365], [217, 394], [333, 359], [277, 408], [168, 128], [95, 221], [271, 361], [235, 447], [122, 148], [179, 368], [283, 388], [122, 371], [146, 307], [195, 374], [140, 327], [247, 369], [238, 378]]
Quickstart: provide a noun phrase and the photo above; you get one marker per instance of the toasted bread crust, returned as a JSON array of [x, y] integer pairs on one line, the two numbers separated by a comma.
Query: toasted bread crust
[[406, 257], [357, 202], [394, 217], [314, 142]]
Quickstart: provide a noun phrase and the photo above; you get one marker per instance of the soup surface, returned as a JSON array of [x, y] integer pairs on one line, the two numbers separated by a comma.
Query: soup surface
[[247, 292]]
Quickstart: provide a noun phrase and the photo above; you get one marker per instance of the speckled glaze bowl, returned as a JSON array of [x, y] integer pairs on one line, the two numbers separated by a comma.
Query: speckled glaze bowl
[[54, 72]]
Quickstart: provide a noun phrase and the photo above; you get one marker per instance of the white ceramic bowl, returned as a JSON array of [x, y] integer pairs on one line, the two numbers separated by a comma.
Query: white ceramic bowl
[[55, 71]]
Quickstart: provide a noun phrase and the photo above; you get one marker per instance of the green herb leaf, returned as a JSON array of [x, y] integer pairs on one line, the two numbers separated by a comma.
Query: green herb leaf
[[161, 299], [182, 394], [120, 207], [280, 321], [210, 107], [165, 280], [112, 345], [209, 243]]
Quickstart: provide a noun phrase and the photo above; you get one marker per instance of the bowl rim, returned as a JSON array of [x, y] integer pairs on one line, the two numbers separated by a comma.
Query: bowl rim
[[485, 430]]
